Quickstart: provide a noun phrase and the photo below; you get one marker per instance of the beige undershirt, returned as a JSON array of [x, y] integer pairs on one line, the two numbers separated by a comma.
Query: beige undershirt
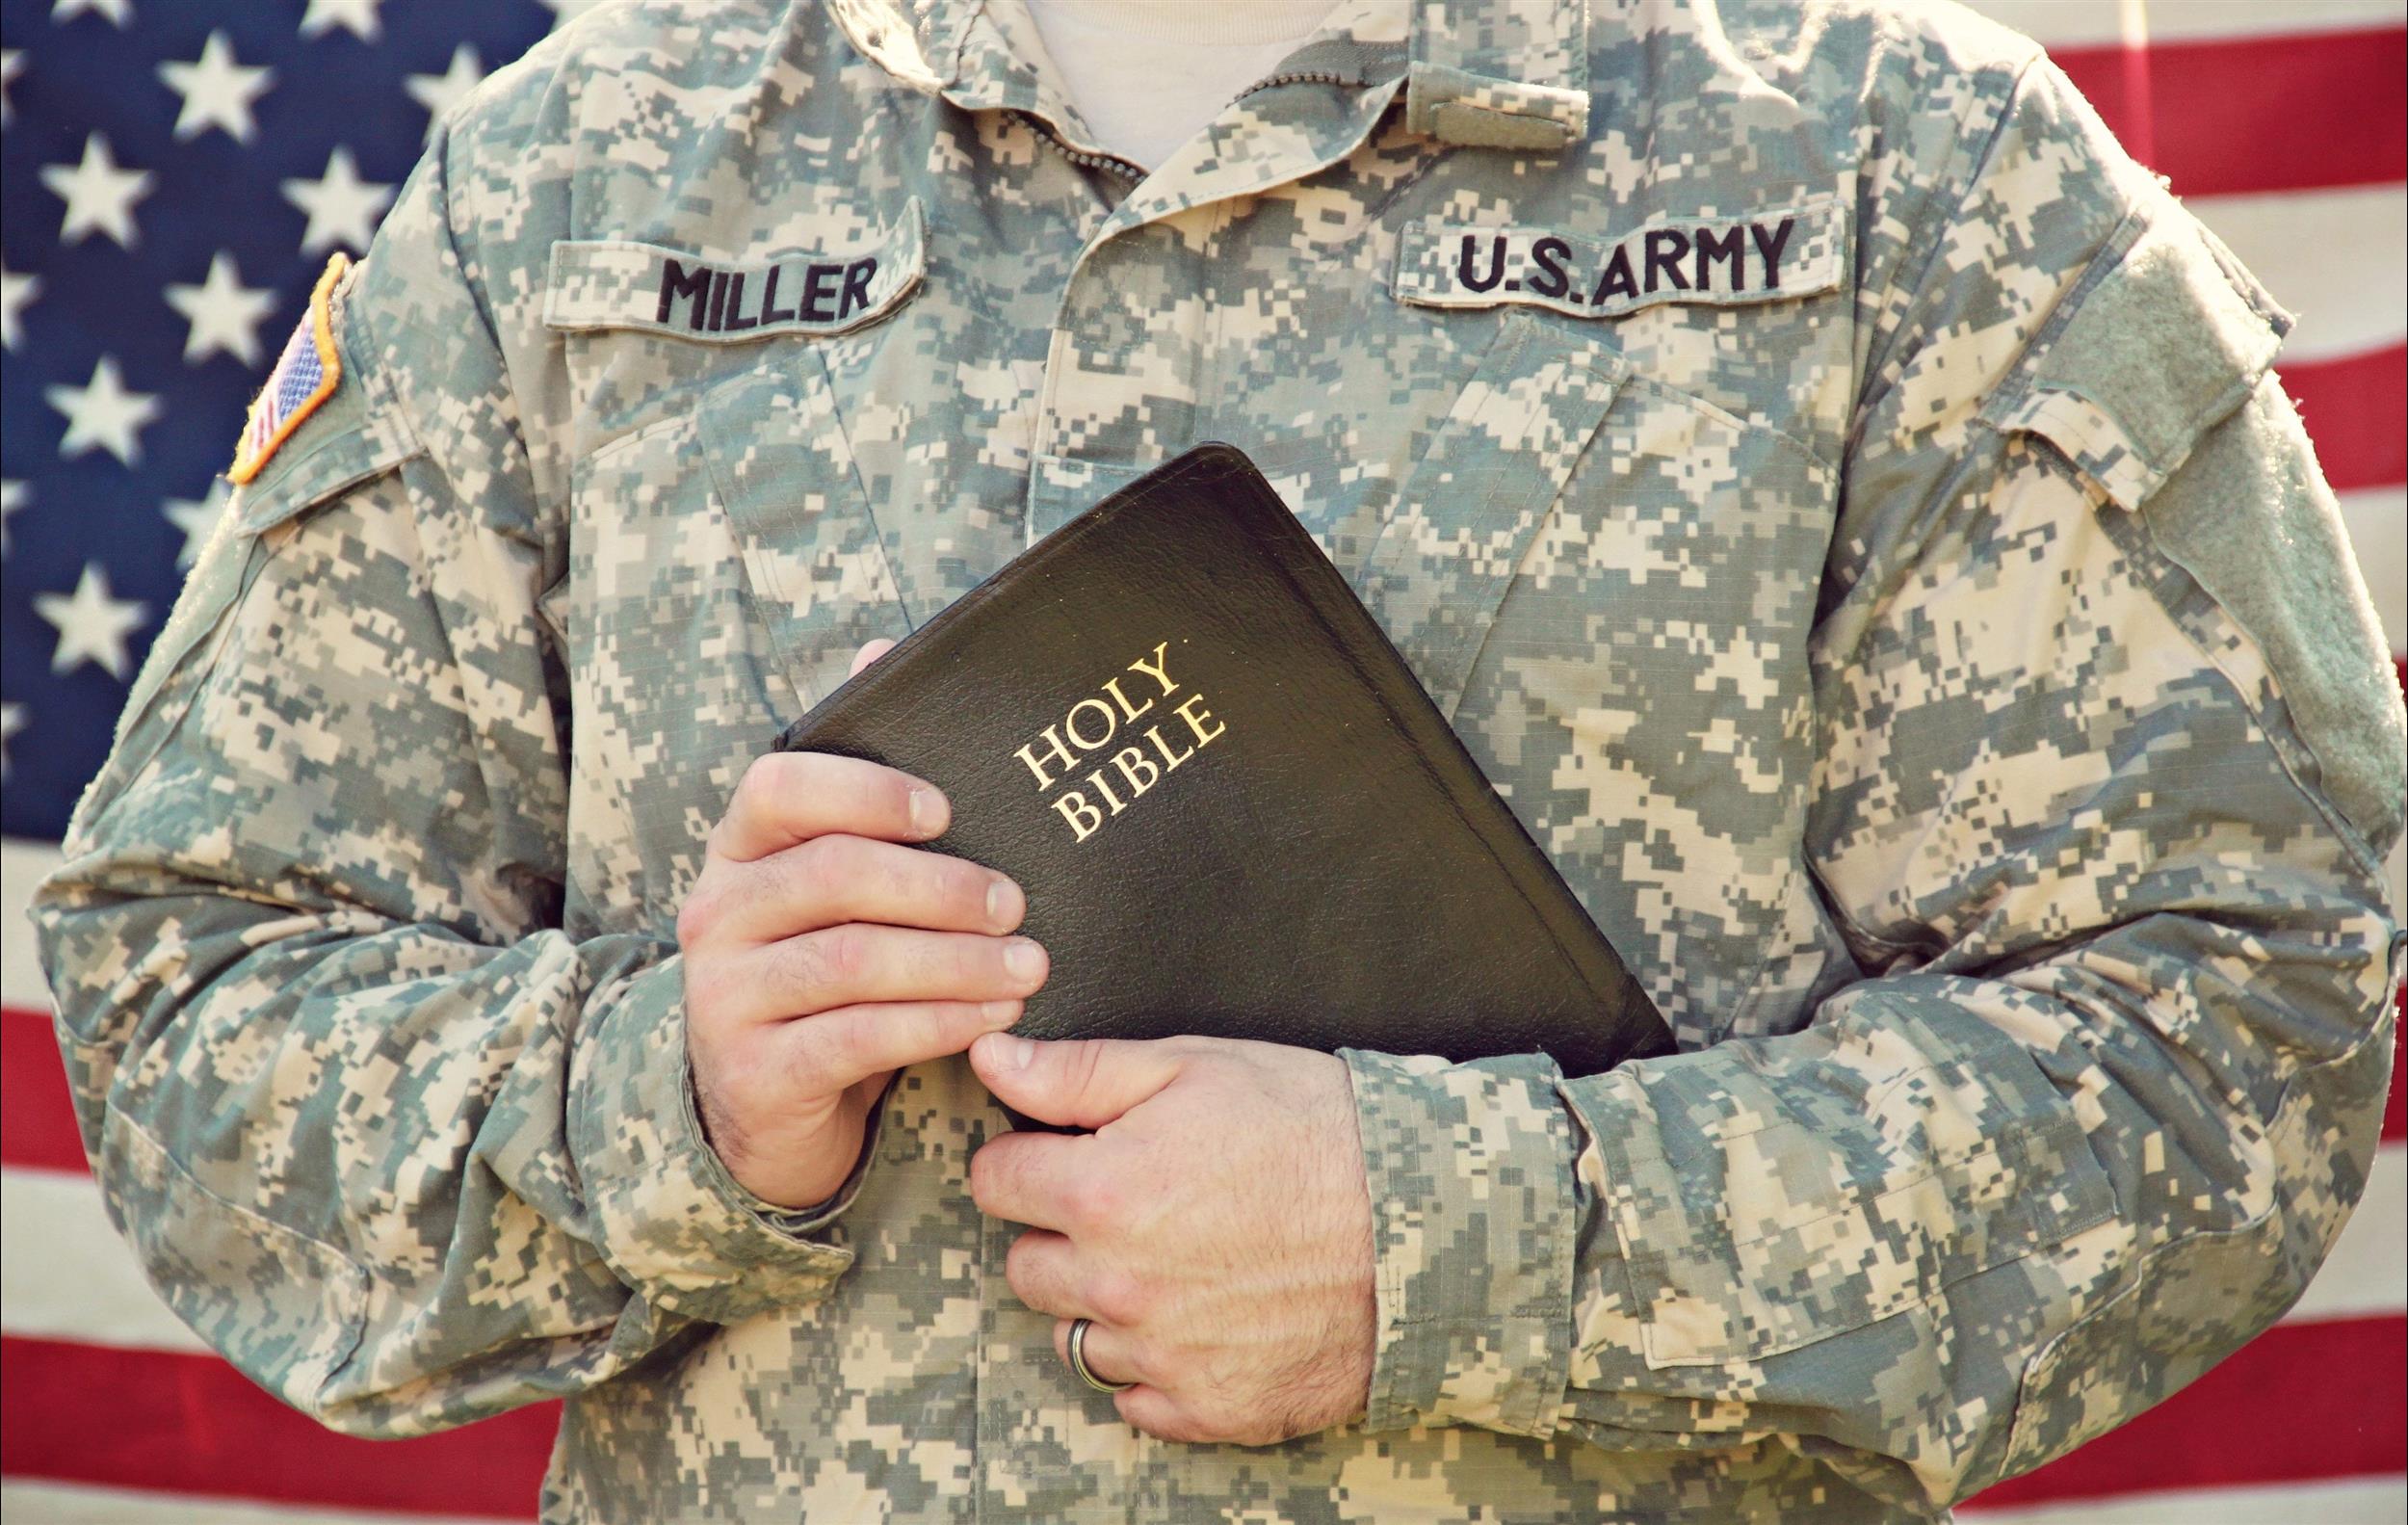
[[1147, 75]]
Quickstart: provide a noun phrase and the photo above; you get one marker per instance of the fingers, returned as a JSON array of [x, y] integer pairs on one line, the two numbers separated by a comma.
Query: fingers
[[838, 1048], [1084, 1082], [1042, 1180], [839, 878], [871, 652], [1043, 1270], [786, 797], [1110, 1354], [857, 965]]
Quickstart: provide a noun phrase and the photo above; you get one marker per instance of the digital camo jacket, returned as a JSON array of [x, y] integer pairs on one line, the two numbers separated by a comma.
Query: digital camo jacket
[[1842, 504]]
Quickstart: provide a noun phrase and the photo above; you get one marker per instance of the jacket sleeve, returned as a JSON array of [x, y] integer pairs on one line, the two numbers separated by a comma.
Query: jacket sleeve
[[2108, 755], [379, 1129]]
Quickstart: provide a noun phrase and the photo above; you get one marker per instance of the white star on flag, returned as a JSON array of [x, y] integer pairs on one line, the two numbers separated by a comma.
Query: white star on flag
[[343, 208], [358, 17], [98, 194], [15, 292], [438, 91], [217, 90], [91, 625], [11, 720], [224, 314], [12, 65], [102, 414], [198, 517], [118, 11]]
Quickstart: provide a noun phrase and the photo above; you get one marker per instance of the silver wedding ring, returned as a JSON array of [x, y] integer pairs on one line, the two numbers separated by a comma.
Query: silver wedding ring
[[1078, 1360]]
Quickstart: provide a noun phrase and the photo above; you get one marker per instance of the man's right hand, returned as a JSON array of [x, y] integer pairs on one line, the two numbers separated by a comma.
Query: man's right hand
[[821, 954]]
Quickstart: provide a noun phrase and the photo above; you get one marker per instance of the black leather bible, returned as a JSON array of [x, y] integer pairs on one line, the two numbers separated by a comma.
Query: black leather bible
[[1233, 808]]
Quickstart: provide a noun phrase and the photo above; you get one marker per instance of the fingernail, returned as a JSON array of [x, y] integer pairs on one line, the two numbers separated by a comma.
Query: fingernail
[[928, 810], [999, 1014], [1007, 1051], [1004, 904], [1024, 959]]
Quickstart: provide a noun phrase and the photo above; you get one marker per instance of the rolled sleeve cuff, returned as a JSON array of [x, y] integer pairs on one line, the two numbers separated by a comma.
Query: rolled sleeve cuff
[[1474, 1224], [670, 1220]]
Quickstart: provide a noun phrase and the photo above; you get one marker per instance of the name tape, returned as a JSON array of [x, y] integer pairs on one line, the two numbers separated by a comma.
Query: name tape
[[620, 283], [1758, 256]]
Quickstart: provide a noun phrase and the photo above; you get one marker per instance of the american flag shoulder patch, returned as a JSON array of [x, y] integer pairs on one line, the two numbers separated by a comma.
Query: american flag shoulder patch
[[305, 376]]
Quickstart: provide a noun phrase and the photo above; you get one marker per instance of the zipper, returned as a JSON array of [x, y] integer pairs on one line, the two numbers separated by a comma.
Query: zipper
[[1306, 77], [1080, 156]]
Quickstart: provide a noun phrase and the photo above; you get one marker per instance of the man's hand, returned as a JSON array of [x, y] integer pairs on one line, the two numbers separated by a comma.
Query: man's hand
[[820, 955], [1215, 1225]]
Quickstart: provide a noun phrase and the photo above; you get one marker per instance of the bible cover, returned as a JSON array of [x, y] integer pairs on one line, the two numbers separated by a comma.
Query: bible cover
[[1232, 806]]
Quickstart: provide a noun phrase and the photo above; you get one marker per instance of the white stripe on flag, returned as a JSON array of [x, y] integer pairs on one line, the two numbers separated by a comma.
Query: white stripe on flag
[[64, 1274], [2366, 1276], [2334, 257], [2096, 23], [25, 1502], [22, 864], [2351, 1501]]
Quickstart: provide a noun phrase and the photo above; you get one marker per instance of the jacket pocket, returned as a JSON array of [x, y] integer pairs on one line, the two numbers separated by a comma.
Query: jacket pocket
[[724, 564], [818, 578], [2161, 299], [1461, 523], [346, 441], [1784, 1208], [2226, 518]]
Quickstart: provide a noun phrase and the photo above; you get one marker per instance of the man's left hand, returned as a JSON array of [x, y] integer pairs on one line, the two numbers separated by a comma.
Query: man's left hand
[[1215, 1225]]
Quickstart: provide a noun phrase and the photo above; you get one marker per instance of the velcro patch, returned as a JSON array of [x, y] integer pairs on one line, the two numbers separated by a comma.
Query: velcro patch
[[305, 376], [620, 283], [1754, 256]]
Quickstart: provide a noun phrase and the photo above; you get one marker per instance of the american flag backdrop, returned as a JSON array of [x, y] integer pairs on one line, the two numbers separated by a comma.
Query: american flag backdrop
[[176, 173]]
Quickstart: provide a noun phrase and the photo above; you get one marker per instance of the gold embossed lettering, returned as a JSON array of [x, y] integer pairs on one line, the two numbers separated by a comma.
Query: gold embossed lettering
[[1171, 759], [1084, 818], [1139, 769], [1084, 738], [1053, 746], [1197, 719], [1111, 686], [1157, 668], [1070, 724]]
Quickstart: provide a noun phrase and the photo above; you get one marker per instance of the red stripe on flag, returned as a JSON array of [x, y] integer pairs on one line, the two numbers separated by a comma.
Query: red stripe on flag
[[2324, 1400], [2250, 115], [37, 1119], [191, 1424], [2356, 409]]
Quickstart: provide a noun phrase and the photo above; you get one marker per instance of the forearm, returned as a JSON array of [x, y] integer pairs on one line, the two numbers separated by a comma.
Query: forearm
[[1950, 1249], [401, 1178]]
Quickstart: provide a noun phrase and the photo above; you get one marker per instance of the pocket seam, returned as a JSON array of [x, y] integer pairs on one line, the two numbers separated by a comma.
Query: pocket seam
[[1824, 470], [2044, 1225], [2026, 1407]]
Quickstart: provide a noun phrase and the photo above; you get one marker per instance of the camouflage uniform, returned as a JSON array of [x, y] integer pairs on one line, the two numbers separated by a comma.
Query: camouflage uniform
[[1900, 597]]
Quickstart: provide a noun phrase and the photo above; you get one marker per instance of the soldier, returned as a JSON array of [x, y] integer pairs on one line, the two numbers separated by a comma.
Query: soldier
[[1843, 504]]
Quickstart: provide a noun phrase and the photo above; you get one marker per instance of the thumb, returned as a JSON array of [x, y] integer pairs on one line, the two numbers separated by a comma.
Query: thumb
[[1082, 1083], [871, 652]]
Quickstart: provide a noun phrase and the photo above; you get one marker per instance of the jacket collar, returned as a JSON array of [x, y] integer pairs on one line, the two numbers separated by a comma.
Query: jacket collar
[[1508, 74]]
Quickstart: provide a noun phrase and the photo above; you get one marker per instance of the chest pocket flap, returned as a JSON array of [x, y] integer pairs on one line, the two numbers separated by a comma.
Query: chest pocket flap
[[1467, 513], [2162, 337]]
